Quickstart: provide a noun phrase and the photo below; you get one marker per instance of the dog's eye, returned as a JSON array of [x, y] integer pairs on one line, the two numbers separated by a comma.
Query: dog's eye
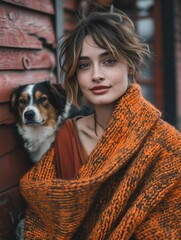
[[22, 101], [42, 99]]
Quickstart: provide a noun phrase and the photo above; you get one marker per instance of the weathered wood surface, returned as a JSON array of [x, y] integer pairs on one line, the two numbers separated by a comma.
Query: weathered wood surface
[[20, 59], [69, 21], [27, 32], [12, 167], [70, 5], [11, 206], [6, 117], [22, 28], [11, 80], [9, 139], [46, 6]]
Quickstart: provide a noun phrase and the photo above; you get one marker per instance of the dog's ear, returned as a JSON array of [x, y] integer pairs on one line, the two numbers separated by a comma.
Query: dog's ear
[[13, 106], [57, 96]]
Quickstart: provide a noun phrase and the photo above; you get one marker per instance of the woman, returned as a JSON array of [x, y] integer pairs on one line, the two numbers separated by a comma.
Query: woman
[[114, 174]]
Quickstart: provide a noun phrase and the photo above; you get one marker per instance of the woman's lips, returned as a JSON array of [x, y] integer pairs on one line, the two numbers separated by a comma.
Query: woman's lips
[[98, 90]]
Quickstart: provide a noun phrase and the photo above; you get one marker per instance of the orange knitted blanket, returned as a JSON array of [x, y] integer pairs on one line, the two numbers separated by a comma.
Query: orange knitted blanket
[[128, 189]]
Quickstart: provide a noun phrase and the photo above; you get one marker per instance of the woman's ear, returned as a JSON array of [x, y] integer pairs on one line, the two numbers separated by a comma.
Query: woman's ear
[[131, 76]]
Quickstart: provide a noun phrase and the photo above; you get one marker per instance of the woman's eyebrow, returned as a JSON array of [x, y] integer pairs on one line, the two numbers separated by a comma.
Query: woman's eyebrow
[[83, 58], [104, 54]]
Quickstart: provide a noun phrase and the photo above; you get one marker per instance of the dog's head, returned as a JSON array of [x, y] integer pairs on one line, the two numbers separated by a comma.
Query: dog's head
[[39, 104]]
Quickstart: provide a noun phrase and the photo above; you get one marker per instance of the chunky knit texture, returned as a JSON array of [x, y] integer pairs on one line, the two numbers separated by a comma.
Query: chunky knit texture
[[128, 189]]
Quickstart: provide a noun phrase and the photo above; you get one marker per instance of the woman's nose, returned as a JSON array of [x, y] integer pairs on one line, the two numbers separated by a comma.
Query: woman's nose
[[97, 74]]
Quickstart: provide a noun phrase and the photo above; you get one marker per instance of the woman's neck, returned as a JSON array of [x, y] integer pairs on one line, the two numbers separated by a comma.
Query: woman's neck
[[101, 117]]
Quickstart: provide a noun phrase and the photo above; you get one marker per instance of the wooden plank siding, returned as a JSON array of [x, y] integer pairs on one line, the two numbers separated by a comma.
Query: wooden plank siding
[[24, 28], [25, 59], [69, 20], [70, 7], [27, 54], [10, 80], [11, 200], [44, 6]]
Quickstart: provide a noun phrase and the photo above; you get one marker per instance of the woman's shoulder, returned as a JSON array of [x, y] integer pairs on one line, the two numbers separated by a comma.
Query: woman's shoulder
[[66, 128], [72, 125], [168, 137], [170, 132]]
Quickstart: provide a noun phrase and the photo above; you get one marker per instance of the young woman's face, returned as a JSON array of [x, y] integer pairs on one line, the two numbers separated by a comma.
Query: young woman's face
[[101, 78]]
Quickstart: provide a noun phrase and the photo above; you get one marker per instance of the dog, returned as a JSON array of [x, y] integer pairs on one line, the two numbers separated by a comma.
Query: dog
[[41, 108]]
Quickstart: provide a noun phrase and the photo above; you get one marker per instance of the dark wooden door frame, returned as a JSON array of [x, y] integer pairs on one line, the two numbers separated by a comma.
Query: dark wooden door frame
[[59, 29], [169, 61]]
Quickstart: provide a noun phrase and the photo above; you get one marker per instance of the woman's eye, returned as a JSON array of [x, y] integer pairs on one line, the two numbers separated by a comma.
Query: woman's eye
[[83, 66], [110, 61]]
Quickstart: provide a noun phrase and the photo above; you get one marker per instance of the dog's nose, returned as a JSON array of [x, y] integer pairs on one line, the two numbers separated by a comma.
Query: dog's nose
[[29, 115]]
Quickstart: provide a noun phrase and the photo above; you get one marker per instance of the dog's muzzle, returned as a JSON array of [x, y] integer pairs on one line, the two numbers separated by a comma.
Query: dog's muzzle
[[29, 115], [32, 116]]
